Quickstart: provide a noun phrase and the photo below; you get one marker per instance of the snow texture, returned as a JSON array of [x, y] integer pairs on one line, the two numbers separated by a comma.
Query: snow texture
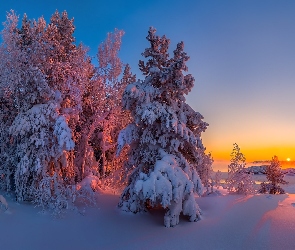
[[269, 224]]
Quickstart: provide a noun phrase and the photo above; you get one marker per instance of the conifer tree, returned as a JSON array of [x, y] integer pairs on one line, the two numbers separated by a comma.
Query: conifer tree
[[39, 134], [217, 179], [7, 146], [165, 137], [205, 171], [275, 177], [239, 181]]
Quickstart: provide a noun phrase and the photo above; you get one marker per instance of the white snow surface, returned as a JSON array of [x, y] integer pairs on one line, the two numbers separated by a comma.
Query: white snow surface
[[228, 222]]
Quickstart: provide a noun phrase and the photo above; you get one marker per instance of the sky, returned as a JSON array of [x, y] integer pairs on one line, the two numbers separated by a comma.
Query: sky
[[241, 54]]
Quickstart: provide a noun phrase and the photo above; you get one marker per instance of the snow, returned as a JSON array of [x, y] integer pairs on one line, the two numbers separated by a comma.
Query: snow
[[3, 202], [228, 222], [168, 184], [63, 134]]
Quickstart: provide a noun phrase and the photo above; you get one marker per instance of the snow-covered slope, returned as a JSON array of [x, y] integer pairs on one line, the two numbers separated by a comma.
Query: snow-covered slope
[[228, 222]]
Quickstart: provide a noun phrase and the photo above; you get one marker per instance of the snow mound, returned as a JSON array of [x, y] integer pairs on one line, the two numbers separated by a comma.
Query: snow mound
[[168, 186], [89, 183], [3, 202]]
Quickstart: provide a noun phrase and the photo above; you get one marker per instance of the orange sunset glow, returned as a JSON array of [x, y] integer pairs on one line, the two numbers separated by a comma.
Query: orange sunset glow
[[257, 142], [258, 153]]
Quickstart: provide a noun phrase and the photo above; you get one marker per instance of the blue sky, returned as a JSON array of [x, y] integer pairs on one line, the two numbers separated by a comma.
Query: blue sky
[[242, 57]]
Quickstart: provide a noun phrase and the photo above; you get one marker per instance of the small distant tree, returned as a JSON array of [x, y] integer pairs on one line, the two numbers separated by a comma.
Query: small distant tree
[[239, 181], [275, 177], [217, 179], [205, 172]]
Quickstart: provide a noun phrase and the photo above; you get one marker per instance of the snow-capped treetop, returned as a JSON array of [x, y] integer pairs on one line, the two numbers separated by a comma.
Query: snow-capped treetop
[[166, 74], [158, 53], [237, 156], [110, 65]]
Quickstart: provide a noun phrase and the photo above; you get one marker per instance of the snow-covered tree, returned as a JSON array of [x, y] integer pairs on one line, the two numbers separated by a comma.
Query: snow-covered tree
[[68, 69], [275, 177], [42, 65], [7, 146], [205, 171], [39, 133], [217, 179], [116, 171], [102, 116], [109, 69], [42, 137], [165, 137], [12, 69], [67, 66], [239, 181]]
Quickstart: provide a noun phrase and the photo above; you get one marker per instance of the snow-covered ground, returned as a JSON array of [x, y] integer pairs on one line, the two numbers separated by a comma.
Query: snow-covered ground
[[228, 222]]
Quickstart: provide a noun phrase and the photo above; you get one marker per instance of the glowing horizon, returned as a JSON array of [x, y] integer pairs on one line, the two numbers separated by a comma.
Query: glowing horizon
[[257, 154]]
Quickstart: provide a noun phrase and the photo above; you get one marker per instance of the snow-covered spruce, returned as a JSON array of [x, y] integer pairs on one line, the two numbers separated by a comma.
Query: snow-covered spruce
[[43, 137], [205, 172], [239, 181], [38, 168], [165, 137], [275, 177]]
